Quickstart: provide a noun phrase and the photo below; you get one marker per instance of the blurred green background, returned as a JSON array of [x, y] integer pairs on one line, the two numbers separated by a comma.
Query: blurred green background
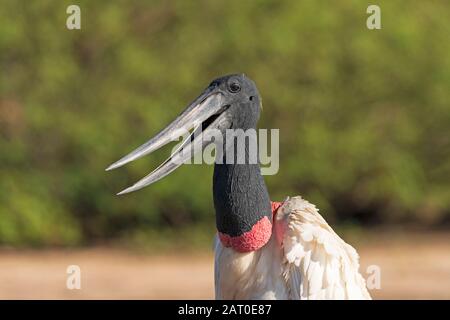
[[364, 115]]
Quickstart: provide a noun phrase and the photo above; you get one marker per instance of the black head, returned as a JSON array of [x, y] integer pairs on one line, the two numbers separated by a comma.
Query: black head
[[242, 96], [229, 102], [241, 100]]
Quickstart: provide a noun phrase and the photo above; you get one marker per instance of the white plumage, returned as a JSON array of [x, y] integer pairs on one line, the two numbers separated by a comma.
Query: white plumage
[[304, 259]]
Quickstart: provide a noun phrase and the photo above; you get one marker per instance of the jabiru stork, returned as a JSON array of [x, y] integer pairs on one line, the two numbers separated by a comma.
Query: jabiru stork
[[263, 249]]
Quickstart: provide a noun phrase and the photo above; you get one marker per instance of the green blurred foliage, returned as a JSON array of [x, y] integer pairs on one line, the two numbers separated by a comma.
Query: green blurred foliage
[[364, 115]]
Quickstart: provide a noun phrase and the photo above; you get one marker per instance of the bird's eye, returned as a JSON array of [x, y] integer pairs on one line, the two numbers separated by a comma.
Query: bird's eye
[[234, 87]]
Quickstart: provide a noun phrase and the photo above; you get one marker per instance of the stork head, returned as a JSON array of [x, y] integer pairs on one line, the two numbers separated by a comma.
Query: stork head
[[229, 102]]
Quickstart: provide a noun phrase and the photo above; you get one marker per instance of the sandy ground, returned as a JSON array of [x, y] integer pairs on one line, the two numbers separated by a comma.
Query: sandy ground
[[413, 267]]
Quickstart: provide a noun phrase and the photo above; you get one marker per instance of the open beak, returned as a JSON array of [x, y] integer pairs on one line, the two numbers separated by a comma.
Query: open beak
[[204, 114]]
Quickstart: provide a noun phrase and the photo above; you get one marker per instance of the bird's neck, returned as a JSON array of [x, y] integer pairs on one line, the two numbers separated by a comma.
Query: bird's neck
[[242, 203]]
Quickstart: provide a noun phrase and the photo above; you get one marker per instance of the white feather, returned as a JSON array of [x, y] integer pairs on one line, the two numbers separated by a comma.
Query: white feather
[[329, 269], [304, 259]]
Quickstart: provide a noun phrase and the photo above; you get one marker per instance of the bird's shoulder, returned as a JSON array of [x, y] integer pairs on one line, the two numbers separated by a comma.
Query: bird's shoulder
[[318, 263]]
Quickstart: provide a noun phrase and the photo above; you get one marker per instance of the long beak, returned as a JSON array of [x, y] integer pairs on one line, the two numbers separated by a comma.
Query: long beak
[[206, 110]]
